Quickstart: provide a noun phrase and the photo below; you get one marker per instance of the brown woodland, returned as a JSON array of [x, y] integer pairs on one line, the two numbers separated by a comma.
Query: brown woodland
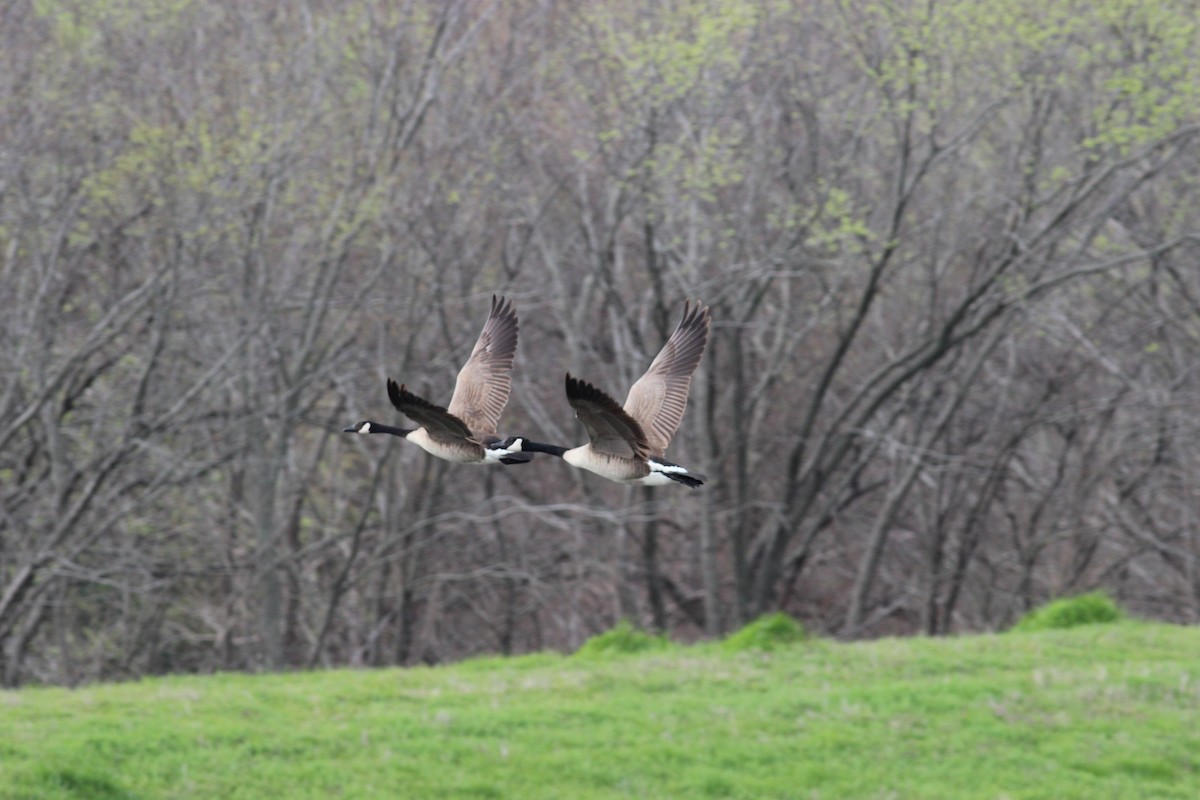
[[950, 250]]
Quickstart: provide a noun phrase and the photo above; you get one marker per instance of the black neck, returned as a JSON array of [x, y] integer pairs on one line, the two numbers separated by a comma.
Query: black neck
[[541, 447], [379, 427]]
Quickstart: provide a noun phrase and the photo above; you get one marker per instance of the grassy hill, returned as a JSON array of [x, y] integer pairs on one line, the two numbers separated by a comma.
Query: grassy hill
[[1101, 711]]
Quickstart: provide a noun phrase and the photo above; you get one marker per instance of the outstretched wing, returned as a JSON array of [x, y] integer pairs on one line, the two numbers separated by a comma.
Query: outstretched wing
[[609, 428], [658, 398], [483, 384], [439, 422]]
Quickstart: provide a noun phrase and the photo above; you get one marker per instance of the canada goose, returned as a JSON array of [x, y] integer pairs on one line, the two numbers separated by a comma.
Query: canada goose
[[627, 444], [464, 432]]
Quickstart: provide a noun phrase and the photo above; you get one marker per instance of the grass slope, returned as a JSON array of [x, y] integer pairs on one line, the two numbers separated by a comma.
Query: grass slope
[[1095, 712]]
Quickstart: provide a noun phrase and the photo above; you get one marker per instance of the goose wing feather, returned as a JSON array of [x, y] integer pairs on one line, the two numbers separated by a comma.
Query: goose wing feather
[[657, 399], [439, 422], [610, 429], [481, 390]]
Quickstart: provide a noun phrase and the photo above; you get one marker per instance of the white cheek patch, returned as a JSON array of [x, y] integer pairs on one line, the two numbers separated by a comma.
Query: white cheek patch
[[366, 428]]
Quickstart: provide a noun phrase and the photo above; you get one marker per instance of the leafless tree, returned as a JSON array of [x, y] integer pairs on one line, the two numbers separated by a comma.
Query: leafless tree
[[950, 256]]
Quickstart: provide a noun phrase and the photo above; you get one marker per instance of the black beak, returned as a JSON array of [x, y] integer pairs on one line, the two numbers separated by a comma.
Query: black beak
[[351, 429]]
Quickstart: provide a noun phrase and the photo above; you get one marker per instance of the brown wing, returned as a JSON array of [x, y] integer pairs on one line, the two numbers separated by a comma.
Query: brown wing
[[609, 428], [658, 398], [439, 422], [481, 390]]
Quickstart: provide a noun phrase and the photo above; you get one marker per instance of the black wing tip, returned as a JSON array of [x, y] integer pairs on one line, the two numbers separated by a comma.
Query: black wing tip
[[697, 316], [395, 392], [502, 307], [398, 392], [401, 397], [579, 389]]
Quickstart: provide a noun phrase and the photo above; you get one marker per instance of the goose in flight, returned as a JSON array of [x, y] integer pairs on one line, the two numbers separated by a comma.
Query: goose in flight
[[465, 431], [628, 443]]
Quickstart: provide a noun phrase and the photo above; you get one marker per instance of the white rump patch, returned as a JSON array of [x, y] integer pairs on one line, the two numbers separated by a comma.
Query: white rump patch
[[659, 472]]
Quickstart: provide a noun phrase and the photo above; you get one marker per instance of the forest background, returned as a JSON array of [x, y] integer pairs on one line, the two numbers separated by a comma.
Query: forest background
[[950, 250]]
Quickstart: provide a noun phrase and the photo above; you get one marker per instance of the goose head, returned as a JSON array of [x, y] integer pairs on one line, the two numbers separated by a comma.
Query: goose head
[[512, 444]]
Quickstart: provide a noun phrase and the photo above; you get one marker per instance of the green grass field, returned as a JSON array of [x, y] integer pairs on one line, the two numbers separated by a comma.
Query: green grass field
[[1101, 711]]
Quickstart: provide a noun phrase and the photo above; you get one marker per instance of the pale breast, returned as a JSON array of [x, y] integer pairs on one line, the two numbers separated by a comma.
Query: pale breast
[[606, 465], [460, 452]]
